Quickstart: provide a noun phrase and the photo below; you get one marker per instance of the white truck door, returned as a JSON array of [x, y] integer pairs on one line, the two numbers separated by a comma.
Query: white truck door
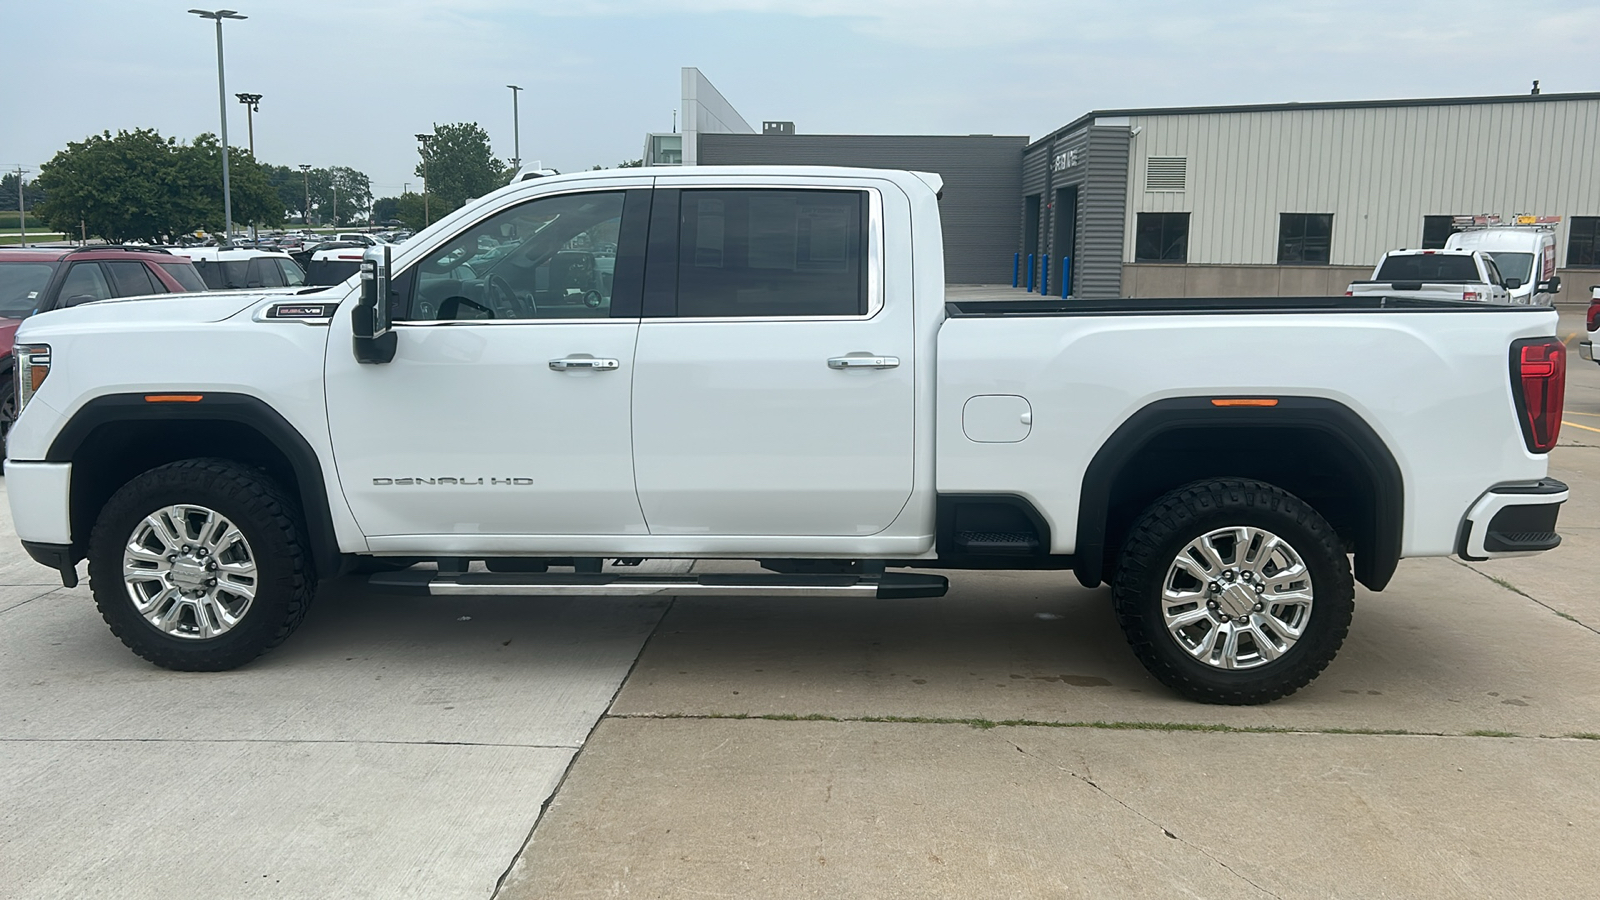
[[774, 391], [505, 408]]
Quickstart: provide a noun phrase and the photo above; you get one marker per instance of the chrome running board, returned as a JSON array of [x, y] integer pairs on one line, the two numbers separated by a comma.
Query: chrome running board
[[510, 584]]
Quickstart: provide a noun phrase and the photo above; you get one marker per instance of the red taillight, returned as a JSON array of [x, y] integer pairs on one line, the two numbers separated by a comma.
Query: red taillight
[[1539, 386], [1594, 315]]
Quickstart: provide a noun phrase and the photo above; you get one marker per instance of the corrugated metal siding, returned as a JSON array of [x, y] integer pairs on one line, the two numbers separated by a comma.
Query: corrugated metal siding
[[1378, 170], [982, 184], [1101, 174]]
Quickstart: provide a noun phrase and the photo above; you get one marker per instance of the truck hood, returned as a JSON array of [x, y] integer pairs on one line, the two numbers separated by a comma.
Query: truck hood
[[188, 309]]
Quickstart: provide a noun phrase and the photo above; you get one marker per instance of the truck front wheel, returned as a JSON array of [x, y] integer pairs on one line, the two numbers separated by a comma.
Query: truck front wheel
[[1233, 591], [200, 565]]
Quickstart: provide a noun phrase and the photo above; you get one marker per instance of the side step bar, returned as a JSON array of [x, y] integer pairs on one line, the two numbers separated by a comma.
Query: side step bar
[[897, 586]]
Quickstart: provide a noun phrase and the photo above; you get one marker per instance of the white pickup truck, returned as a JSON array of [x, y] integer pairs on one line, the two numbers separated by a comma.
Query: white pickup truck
[[761, 363], [1436, 275]]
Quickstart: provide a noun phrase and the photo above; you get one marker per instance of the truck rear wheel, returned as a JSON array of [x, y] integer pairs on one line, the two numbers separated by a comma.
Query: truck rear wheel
[[200, 565], [1233, 591]]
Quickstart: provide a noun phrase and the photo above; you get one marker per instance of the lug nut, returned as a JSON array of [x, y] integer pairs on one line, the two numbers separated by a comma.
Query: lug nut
[[1215, 587], [173, 557], [1261, 589], [1211, 604], [1258, 607], [1228, 575], [211, 565]]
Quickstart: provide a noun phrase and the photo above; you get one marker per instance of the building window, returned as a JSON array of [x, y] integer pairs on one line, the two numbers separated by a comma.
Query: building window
[[1304, 237], [1436, 230], [1162, 237], [1583, 243]]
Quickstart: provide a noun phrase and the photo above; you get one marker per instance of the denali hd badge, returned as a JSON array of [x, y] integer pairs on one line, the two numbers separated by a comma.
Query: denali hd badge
[[460, 482]]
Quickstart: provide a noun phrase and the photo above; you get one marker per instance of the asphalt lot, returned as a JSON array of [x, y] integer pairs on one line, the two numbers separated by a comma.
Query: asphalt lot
[[999, 742]]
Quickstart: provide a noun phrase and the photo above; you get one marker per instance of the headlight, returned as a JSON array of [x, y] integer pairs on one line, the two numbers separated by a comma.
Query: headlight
[[33, 365]]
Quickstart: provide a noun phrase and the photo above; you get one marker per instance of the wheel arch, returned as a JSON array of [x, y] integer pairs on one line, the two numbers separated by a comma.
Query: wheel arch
[[1310, 446], [115, 437]]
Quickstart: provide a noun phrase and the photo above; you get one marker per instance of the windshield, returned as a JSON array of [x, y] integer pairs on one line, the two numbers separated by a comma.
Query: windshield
[[1429, 267], [1513, 265], [20, 286]]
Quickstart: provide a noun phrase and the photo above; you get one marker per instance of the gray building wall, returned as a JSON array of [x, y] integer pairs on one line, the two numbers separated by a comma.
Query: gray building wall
[[981, 183], [1093, 159]]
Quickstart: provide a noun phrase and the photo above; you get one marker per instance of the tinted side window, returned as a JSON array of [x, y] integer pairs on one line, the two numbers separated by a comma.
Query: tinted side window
[[264, 274], [83, 283], [1431, 267], [292, 276], [772, 253], [184, 275], [129, 279]]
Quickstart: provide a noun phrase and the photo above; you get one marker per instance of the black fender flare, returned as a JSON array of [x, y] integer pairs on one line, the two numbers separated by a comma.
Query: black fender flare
[[1376, 556], [224, 407]]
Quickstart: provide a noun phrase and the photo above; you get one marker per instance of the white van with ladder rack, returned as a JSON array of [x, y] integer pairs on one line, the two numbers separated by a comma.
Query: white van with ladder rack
[[1524, 249]]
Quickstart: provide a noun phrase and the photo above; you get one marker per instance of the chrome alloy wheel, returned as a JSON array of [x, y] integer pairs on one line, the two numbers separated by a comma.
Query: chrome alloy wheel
[[1237, 597], [189, 572]]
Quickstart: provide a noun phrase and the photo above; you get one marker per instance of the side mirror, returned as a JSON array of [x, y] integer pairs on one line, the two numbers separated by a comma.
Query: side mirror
[[1553, 286], [1513, 283], [371, 337]]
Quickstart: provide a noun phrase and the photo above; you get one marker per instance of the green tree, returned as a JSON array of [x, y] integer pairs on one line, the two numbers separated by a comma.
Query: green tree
[[254, 200], [138, 185], [410, 210], [459, 165], [290, 185], [32, 194], [385, 208]]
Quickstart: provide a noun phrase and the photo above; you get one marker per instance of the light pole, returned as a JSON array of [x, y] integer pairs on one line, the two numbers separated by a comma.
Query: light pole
[[252, 105], [427, 217], [305, 171], [335, 185], [516, 131], [222, 104], [22, 211]]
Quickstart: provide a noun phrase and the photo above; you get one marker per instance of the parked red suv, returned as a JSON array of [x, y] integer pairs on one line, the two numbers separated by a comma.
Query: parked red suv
[[43, 278]]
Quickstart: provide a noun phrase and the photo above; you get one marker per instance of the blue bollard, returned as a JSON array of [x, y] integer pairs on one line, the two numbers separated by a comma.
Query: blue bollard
[[1030, 273], [1066, 275], [1016, 268], [1044, 282]]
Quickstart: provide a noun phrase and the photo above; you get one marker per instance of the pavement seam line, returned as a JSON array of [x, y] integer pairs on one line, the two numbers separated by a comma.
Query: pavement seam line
[[566, 773], [1102, 725], [30, 599], [1516, 590], [1164, 830]]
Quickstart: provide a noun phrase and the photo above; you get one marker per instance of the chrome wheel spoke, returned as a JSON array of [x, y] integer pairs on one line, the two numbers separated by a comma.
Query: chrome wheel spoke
[[1237, 597], [189, 572]]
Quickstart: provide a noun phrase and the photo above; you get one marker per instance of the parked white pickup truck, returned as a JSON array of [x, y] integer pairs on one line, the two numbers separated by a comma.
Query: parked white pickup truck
[[1436, 275], [760, 363]]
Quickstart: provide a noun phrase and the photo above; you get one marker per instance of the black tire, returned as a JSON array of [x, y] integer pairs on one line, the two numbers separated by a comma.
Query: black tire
[[269, 520], [1182, 516]]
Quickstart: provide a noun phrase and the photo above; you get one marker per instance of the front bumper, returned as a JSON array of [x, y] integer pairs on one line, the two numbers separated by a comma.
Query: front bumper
[[1513, 519]]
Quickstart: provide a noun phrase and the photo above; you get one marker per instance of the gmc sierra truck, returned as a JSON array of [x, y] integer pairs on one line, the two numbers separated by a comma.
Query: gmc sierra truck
[[761, 364]]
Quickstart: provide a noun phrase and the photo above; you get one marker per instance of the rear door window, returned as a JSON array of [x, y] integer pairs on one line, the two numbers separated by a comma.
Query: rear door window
[[21, 283], [131, 279], [748, 252], [292, 276], [184, 275], [263, 273], [84, 283]]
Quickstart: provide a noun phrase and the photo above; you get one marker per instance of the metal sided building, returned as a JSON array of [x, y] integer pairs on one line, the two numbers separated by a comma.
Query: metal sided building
[[1300, 198]]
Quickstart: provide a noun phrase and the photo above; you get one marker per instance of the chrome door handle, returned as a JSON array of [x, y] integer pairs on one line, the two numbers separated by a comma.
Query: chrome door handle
[[584, 362], [863, 362]]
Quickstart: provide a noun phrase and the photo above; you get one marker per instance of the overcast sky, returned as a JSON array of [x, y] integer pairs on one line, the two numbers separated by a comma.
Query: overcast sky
[[349, 82]]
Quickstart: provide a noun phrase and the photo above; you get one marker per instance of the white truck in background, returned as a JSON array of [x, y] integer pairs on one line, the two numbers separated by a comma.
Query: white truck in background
[[1524, 250], [1436, 275]]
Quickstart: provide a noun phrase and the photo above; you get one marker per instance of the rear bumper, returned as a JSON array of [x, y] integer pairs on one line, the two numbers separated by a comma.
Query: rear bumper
[[1513, 519], [1586, 350]]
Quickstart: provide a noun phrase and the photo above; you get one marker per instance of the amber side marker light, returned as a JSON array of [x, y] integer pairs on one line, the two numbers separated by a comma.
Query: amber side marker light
[[1245, 401], [173, 398]]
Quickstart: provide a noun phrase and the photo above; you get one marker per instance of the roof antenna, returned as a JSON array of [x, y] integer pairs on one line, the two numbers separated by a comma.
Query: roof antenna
[[1536, 87]]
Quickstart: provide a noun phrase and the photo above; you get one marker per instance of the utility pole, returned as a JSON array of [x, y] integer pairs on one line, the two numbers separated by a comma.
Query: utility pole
[[305, 171], [335, 202], [427, 217], [222, 104], [22, 214], [516, 131]]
